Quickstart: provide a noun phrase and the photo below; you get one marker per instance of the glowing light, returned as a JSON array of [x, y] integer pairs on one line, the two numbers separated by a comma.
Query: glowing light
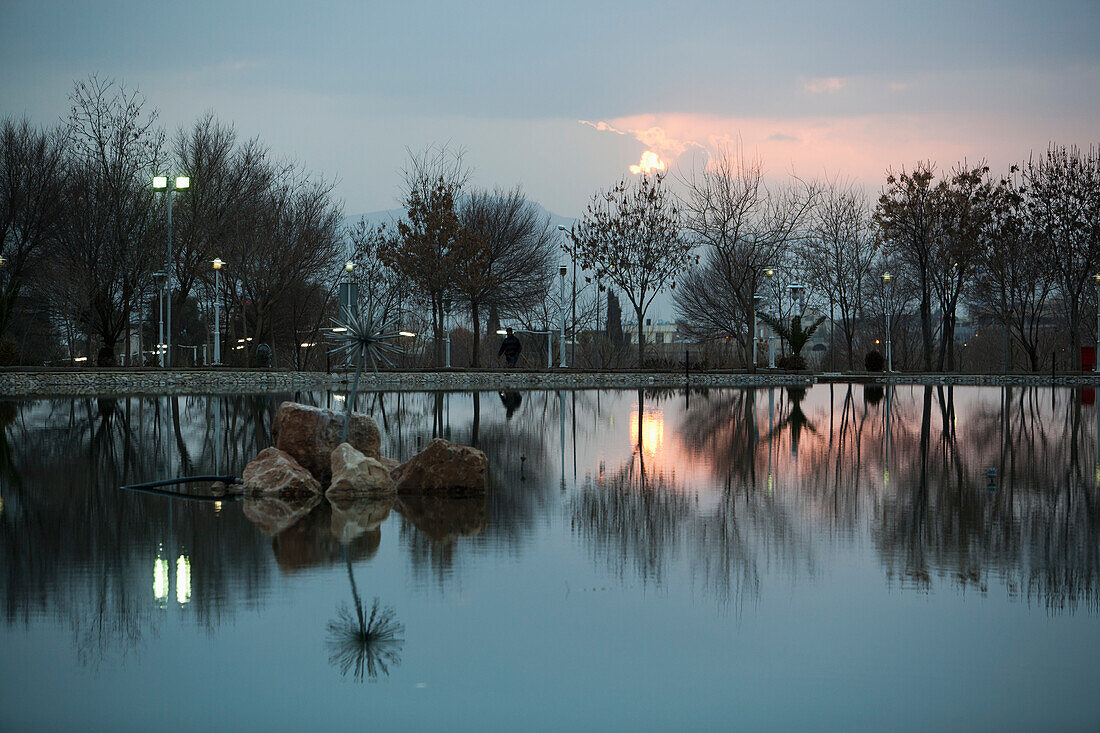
[[81, 358], [307, 344], [217, 507], [160, 578], [183, 182], [339, 329], [653, 430], [183, 579], [406, 334], [160, 181], [649, 163]]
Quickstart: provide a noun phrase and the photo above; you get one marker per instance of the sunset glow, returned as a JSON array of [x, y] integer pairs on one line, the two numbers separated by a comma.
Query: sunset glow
[[653, 430], [650, 162]]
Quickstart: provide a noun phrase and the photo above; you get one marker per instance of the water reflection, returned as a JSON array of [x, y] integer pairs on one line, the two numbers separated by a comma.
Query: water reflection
[[944, 489]]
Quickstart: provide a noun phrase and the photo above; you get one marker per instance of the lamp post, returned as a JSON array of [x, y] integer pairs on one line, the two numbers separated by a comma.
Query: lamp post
[[217, 314], [1096, 356], [447, 330], [160, 183], [755, 327], [769, 272], [573, 348], [561, 344], [887, 278]]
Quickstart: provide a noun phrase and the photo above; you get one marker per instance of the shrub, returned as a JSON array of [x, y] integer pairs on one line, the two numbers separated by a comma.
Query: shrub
[[874, 361], [791, 361]]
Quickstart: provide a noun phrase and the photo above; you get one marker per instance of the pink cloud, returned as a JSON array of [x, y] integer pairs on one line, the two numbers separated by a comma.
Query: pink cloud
[[858, 147]]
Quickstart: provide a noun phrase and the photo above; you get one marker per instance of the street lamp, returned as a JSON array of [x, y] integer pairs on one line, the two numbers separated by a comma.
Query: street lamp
[[1096, 357], [217, 314], [573, 348], [887, 278], [769, 272], [755, 302], [561, 345], [160, 183]]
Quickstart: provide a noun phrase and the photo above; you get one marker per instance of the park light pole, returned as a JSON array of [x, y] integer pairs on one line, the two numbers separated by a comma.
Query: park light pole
[[756, 299], [769, 272], [561, 343], [1096, 356], [160, 183], [887, 278], [573, 348], [217, 314]]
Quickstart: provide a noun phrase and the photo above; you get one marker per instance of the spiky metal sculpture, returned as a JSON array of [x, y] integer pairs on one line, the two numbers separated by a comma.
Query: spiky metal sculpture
[[363, 335]]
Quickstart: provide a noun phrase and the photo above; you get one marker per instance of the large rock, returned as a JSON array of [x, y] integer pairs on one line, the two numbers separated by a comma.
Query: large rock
[[273, 514], [311, 433], [354, 474], [442, 467], [275, 472]]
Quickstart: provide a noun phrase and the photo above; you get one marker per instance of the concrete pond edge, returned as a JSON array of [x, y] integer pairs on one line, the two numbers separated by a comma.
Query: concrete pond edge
[[108, 382]]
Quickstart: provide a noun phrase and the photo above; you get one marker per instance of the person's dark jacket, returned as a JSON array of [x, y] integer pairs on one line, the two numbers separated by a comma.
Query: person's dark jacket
[[510, 347]]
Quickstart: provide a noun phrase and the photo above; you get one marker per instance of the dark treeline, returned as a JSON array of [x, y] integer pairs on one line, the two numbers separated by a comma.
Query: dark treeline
[[1015, 254], [998, 266], [88, 260]]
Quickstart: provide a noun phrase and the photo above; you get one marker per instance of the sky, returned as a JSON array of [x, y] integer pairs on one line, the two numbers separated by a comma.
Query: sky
[[563, 98]]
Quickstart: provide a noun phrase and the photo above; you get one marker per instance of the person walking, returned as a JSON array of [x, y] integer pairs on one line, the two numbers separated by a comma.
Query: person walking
[[510, 348]]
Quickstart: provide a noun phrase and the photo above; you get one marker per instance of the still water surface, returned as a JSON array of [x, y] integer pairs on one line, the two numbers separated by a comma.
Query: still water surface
[[841, 557]]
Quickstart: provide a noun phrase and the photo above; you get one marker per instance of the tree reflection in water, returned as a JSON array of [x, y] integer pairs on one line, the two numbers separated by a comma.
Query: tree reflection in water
[[724, 497]]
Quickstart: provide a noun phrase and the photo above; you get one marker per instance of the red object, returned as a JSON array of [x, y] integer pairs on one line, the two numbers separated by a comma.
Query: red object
[[1088, 358], [1088, 396]]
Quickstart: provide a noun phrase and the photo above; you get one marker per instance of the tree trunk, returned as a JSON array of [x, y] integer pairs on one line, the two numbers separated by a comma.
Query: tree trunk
[[926, 326], [475, 313], [641, 339]]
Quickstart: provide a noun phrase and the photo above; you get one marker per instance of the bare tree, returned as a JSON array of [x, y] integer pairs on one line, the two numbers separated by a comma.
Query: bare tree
[[506, 254], [292, 238], [838, 254], [424, 252], [1062, 197], [962, 203], [745, 229], [110, 223], [907, 218], [632, 233], [32, 164], [1016, 276], [228, 179]]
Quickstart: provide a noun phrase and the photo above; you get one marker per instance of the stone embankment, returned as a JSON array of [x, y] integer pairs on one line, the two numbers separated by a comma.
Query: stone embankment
[[108, 382]]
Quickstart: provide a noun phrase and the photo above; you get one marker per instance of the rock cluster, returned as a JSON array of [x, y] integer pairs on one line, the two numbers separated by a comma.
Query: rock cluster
[[306, 457]]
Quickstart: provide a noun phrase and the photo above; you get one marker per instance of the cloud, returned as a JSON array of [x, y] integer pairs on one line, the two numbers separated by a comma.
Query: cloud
[[824, 85], [601, 126], [861, 147], [897, 86], [661, 148]]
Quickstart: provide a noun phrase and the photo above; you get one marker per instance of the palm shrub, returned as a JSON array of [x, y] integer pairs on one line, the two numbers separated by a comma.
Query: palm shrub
[[796, 335]]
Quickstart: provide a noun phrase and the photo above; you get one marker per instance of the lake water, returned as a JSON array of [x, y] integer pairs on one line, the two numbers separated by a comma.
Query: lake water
[[837, 558]]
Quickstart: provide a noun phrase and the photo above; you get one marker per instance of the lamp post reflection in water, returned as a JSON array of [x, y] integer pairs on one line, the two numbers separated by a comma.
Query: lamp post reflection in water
[[771, 427], [561, 419], [886, 462]]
